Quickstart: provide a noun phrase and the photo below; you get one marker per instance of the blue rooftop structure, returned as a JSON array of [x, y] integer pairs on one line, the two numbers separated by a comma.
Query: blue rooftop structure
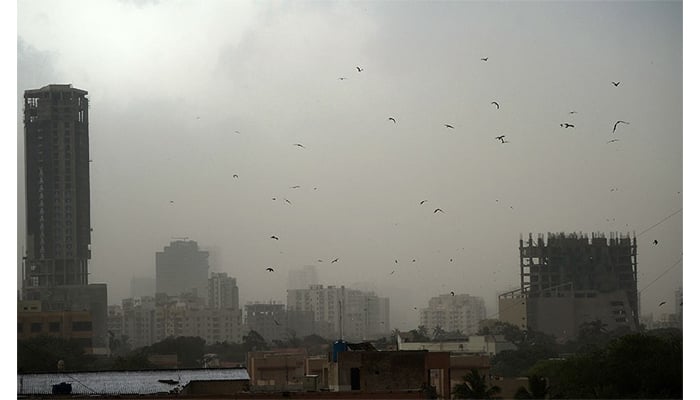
[[124, 382]]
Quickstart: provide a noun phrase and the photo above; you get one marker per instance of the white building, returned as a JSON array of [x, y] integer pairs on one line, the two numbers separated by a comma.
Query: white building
[[342, 313], [223, 291], [460, 312]]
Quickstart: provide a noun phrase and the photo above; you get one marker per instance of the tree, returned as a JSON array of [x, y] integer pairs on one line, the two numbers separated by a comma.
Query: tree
[[42, 354], [474, 387], [537, 388], [438, 332], [189, 349], [254, 341]]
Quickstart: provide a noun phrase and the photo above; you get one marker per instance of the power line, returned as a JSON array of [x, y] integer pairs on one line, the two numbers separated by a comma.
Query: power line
[[658, 223], [662, 274]]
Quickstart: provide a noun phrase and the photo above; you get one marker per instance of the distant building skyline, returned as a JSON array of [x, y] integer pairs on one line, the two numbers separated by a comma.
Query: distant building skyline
[[182, 268]]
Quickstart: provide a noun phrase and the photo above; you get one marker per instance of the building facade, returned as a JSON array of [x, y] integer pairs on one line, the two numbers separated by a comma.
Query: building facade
[[57, 181], [182, 268], [339, 312], [223, 292], [460, 312], [267, 319], [569, 279]]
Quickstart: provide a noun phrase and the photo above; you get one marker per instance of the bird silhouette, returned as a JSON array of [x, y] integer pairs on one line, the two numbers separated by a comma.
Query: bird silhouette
[[392, 119], [438, 209], [566, 125], [235, 175], [423, 201], [655, 242], [662, 303], [295, 187], [299, 145], [172, 202], [392, 273], [452, 293], [336, 260], [396, 261], [414, 260], [274, 237], [342, 78], [319, 260], [616, 84], [502, 138], [236, 131], [449, 126], [276, 323], [359, 69], [287, 201], [497, 106], [485, 59], [573, 112], [619, 122], [268, 269], [613, 140]]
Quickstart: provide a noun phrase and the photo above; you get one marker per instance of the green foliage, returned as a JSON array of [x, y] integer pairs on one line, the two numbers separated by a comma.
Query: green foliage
[[189, 350], [536, 388], [136, 360], [474, 387], [42, 353], [509, 331], [632, 366], [254, 341], [513, 363]]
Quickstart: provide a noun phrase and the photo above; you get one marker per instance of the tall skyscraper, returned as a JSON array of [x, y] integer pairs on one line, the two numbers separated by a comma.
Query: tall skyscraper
[[57, 187], [182, 268]]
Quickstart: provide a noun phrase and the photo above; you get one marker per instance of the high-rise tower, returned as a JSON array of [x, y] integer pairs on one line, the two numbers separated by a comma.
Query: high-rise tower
[[57, 187]]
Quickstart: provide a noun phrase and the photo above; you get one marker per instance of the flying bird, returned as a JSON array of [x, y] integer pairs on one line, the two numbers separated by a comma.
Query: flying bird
[[392, 272], [619, 122], [319, 260], [336, 260], [414, 260], [423, 201], [449, 126], [497, 106], [274, 237], [236, 132], [235, 175], [268, 269], [613, 140], [662, 303], [655, 242], [452, 293], [172, 202], [396, 261], [485, 59], [392, 119], [276, 323], [295, 187], [438, 209], [299, 145], [342, 78], [502, 138], [566, 125], [359, 69], [616, 84], [573, 112], [287, 201]]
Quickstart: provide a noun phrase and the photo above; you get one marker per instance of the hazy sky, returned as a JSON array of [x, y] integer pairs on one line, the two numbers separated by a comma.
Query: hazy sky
[[171, 82]]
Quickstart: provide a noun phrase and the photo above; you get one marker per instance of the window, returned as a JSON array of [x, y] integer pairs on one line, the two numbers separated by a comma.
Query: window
[[82, 326], [35, 327], [54, 326]]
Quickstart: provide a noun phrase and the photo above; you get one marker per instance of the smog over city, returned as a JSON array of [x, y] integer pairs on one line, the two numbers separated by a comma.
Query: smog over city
[[402, 148]]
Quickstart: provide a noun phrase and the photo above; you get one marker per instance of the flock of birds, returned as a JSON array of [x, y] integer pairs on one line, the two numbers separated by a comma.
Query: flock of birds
[[500, 138]]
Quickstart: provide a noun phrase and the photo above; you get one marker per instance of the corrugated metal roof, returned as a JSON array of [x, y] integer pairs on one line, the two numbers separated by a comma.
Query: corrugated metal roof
[[124, 382]]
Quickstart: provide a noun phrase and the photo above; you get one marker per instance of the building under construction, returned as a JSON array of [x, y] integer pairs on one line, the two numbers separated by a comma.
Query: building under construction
[[569, 279]]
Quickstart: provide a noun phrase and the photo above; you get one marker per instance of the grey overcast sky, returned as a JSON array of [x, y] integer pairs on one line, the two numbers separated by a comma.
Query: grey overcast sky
[[184, 94]]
